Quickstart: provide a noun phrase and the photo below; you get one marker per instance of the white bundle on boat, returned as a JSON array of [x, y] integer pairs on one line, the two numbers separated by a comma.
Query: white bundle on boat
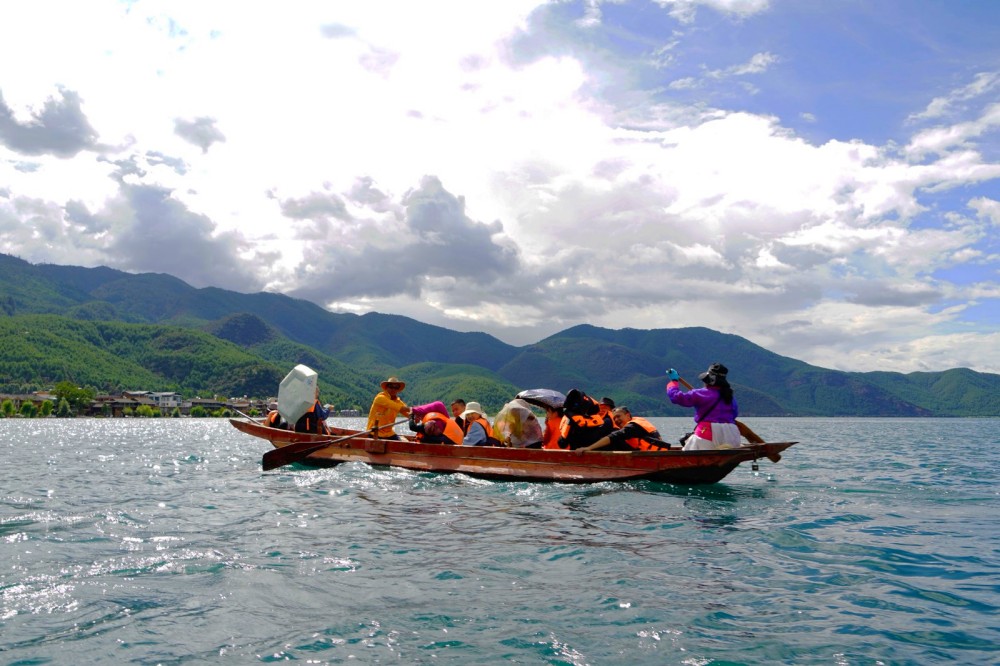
[[517, 425], [297, 393]]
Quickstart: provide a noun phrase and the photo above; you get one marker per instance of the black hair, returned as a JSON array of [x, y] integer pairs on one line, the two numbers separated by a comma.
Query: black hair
[[716, 376], [578, 402]]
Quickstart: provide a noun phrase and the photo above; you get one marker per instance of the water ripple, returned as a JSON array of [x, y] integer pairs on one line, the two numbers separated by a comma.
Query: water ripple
[[163, 542]]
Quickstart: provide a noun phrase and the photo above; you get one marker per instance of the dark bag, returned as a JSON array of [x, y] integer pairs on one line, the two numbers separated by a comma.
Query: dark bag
[[684, 439]]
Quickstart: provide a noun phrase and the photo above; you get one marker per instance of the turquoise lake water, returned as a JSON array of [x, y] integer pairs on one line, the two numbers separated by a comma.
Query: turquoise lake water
[[160, 541]]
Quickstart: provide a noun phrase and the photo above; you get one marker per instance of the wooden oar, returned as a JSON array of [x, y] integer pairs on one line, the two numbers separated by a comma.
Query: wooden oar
[[246, 416], [293, 453], [751, 436]]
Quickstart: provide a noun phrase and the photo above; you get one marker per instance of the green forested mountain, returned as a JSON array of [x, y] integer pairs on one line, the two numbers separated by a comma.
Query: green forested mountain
[[38, 351], [114, 330]]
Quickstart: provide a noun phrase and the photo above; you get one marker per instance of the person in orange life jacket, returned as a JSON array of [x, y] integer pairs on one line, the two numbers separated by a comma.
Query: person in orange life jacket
[[633, 433], [385, 407], [432, 425], [314, 420], [478, 431], [553, 418], [457, 407], [715, 407], [273, 418], [582, 424]]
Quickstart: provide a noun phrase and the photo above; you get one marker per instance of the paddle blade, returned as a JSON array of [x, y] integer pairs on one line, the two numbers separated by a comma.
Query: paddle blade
[[293, 453], [750, 435]]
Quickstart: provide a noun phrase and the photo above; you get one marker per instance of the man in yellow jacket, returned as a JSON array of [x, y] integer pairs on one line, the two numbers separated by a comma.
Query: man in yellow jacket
[[385, 407]]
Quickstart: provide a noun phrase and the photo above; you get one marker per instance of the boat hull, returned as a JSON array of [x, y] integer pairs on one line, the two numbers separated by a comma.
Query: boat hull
[[681, 467]]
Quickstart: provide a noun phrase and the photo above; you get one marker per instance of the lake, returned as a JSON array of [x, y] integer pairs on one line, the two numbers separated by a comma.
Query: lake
[[160, 541]]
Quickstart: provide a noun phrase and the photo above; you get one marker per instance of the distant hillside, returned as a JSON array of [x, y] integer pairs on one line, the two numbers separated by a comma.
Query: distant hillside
[[213, 340], [622, 364], [38, 351], [956, 392]]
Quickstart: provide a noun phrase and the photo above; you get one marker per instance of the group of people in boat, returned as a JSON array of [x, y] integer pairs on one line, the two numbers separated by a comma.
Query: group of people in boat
[[579, 423], [467, 424]]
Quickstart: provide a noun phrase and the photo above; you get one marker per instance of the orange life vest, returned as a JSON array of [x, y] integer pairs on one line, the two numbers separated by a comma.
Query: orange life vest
[[274, 420], [452, 432], [490, 439], [641, 444], [309, 422], [550, 439], [577, 431], [580, 421]]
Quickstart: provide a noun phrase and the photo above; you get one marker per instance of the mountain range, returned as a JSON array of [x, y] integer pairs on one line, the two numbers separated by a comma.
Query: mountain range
[[114, 330]]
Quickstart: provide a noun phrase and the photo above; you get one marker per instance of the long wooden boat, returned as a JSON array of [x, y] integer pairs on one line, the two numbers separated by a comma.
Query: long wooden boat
[[681, 467]]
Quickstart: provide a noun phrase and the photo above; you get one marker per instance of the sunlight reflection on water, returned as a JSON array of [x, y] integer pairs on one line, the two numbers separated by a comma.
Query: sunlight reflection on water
[[161, 540]]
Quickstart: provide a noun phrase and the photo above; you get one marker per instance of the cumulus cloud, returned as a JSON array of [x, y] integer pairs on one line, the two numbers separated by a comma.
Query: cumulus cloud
[[388, 255], [571, 180], [863, 337], [200, 132], [987, 208], [939, 140], [315, 206], [983, 83], [155, 157], [156, 233], [60, 128], [25, 222], [142, 229]]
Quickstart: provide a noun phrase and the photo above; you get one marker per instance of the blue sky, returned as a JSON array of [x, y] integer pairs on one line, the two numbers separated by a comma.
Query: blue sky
[[822, 178]]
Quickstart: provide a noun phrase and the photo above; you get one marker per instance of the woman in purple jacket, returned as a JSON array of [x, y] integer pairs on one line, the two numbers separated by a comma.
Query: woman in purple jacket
[[715, 409]]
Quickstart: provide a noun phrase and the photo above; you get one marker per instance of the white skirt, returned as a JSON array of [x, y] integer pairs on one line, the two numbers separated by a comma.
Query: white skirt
[[724, 436]]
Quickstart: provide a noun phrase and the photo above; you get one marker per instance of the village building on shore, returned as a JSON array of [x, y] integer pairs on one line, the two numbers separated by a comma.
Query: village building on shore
[[167, 403]]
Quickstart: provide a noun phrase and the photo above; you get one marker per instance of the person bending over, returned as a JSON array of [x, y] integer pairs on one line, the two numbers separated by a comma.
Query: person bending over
[[634, 433]]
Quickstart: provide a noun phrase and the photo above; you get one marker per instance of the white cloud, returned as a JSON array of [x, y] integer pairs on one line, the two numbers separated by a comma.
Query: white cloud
[[685, 10], [758, 64], [418, 166], [983, 83], [939, 140], [987, 208]]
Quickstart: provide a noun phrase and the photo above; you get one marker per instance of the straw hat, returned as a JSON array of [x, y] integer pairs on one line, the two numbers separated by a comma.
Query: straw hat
[[394, 380]]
